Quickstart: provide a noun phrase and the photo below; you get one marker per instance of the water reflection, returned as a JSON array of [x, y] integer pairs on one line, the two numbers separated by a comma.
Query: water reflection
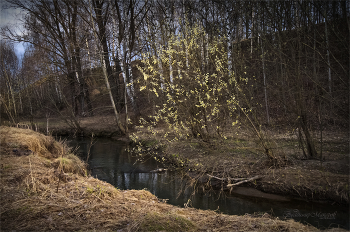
[[110, 162]]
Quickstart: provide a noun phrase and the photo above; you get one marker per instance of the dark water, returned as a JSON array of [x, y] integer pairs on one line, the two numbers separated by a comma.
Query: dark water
[[109, 161]]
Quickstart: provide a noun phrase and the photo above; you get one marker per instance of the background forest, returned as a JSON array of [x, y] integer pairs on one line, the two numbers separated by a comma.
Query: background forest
[[200, 67]]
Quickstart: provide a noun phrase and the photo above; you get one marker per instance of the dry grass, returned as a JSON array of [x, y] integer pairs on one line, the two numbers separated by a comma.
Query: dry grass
[[40, 144], [70, 163], [46, 191]]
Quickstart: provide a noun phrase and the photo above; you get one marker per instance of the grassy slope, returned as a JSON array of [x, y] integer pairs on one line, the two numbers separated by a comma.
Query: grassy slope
[[32, 199]]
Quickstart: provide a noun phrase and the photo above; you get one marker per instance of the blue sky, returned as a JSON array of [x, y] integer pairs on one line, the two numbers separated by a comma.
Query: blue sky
[[12, 17]]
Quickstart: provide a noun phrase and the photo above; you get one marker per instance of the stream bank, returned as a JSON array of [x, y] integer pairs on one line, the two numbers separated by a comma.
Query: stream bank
[[213, 164], [49, 189], [110, 161], [237, 156]]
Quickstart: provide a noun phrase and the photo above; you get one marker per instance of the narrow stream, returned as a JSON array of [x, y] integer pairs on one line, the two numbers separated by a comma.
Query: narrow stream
[[110, 162]]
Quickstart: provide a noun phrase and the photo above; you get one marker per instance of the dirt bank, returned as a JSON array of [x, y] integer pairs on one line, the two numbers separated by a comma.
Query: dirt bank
[[219, 162], [215, 162], [44, 187]]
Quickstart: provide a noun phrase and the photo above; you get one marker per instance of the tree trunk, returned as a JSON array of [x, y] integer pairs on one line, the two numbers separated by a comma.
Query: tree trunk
[[328, 59], [105, 75], [114, 78], [300, 95], [265, 86]]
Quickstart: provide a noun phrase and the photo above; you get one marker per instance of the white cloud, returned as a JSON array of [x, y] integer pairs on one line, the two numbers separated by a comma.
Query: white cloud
[[12, 18], [19, 49]]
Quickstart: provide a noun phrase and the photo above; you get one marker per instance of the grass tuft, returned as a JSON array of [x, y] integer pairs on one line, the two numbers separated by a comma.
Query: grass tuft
[[165, 222], [70, 164]]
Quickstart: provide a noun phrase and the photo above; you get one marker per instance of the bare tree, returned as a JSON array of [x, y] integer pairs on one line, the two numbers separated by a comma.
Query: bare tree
[[9, 82]]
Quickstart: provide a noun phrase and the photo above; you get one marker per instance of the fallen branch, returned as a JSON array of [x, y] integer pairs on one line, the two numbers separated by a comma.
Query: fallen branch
[[238, 179], [227, 179], [223, 179], [244, 181]]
